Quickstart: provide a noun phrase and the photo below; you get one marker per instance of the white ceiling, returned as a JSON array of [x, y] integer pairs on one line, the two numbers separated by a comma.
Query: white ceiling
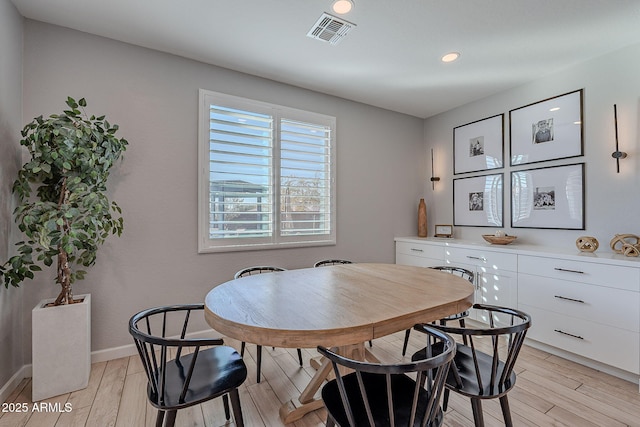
[[390, 60]]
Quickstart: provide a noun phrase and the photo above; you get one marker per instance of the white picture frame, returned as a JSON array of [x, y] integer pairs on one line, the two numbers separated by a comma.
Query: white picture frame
[[547, 130], [548, 197], [478, 201], [479, 145]]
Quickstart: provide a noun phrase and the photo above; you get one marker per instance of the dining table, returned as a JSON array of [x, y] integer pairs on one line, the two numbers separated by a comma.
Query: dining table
[[341, 307]]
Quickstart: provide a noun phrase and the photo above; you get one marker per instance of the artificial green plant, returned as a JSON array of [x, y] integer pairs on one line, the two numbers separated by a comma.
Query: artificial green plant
[[70, 215]]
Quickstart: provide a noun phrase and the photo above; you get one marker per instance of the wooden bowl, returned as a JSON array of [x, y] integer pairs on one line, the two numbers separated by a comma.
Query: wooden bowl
[[503, 240]]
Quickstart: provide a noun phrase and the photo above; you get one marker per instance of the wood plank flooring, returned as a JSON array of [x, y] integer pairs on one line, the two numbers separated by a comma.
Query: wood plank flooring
[[550, 391]]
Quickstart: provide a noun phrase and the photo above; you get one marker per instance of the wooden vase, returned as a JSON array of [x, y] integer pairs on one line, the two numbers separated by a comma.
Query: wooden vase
[[422, 219]]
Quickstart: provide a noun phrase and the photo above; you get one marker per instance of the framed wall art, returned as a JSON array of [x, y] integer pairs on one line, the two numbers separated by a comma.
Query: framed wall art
[[547, 130], [549, 197], [479, 145], [477, 201]]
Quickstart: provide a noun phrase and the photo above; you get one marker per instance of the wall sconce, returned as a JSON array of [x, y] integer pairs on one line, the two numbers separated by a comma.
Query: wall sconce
[[617, 154], [434, 179]]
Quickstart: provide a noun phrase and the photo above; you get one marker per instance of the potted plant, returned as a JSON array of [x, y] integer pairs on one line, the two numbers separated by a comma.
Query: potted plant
[[65, 221]]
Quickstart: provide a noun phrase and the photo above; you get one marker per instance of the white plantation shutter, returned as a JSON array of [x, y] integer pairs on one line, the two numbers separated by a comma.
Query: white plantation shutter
[[305, 178], [240, 173], [266, 175]]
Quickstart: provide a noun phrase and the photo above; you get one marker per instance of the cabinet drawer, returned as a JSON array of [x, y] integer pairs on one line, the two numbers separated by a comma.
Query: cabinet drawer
[[482, 258], [612, 346], [421, 250], [417, 261], [613, 307], [613, 276]]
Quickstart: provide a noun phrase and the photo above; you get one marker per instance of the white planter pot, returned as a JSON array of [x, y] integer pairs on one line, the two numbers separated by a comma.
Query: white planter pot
[[61, 340]]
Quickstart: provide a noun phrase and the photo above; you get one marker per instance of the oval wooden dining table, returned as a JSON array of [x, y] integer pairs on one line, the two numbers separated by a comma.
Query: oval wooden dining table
[[340, 306]]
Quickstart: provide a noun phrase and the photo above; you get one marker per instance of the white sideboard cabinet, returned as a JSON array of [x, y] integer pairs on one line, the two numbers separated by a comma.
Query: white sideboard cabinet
[[582, 304]]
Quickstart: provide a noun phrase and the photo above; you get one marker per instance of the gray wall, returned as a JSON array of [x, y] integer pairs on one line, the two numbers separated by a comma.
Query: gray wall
[[153, 97], [612, 200], [11, 23], [383, 165]]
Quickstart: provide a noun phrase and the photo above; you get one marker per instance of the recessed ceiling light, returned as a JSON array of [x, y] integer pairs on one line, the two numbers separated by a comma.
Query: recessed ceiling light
[[450, 57], [342, 6]]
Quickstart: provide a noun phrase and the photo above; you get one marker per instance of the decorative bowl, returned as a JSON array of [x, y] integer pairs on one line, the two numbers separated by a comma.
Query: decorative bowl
[[502, 240]]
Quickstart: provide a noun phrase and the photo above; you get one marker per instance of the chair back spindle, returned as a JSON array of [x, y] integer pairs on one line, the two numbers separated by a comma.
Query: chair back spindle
[[385, 394], [328, 262], [258, 269]]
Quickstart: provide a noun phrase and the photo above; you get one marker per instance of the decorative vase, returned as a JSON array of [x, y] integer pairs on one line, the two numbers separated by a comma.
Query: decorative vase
[[422, 219]]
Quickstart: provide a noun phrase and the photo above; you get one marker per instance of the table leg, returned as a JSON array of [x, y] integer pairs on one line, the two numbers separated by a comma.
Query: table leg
[[316, 381], [295, 409]]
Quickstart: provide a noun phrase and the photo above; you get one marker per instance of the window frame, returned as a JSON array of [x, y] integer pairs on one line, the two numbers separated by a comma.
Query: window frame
[[276, 240]]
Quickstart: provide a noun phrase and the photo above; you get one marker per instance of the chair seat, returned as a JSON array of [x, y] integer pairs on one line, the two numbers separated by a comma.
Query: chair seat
[[375, 386], [218, 370], [463, 361]]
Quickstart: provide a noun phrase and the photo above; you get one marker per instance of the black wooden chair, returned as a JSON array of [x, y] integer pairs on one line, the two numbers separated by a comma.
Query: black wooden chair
[[484, 369], [406, 394], [249, 271], [201, 370], [458, 271], [326, 262]]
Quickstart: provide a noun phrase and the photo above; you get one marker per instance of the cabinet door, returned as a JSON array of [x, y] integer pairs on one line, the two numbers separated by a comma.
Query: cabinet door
[[496, 289], [496, 277]]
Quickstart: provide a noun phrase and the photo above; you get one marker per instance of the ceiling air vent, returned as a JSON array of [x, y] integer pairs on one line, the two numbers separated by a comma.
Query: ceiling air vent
[[330, 29]]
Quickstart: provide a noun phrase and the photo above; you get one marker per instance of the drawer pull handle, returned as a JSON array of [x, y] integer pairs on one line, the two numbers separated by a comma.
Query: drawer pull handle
[[568, 271], [569, 299], [416, 250], [483, 259], [567, 333]]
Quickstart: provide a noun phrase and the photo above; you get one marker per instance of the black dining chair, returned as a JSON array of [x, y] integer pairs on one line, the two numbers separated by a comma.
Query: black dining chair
[[201, 370], [405, 394], [326, 262], [484, 369], [249, 271], [460, 272]]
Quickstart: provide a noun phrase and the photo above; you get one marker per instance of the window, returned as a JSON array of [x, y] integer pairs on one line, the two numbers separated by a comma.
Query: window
[[266, 175]]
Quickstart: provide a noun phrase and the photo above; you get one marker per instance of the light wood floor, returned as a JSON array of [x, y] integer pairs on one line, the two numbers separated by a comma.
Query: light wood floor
[[550, 391]]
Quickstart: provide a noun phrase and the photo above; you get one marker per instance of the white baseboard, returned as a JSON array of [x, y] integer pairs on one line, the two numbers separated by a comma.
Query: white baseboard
[[113, 353], [130, 349], [14, 381]]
